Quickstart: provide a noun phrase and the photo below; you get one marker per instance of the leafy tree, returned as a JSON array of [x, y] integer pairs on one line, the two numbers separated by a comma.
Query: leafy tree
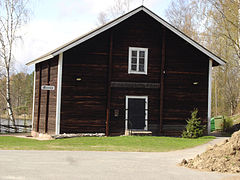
[[194, 129], [21, 94]]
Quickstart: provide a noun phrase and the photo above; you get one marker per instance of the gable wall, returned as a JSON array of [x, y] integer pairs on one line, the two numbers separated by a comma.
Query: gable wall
[[84, 102]]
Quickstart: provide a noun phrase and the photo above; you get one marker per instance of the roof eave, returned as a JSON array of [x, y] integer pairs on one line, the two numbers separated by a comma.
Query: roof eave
[[109, 25], [185, 37], [85, 37], [38, 60]]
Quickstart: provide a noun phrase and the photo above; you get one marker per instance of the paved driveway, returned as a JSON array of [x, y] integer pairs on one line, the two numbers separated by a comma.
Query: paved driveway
[[66, 165]]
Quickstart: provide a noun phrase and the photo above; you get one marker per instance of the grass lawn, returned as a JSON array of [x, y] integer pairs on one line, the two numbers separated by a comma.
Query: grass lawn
[[122, 143]]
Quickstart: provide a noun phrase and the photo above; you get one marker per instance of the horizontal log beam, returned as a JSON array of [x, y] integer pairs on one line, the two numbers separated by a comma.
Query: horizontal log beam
[[189, 73], [135, 85]]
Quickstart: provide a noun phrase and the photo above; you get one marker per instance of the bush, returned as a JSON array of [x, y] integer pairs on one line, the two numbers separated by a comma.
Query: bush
[[232, 129], [229, 127], [228, 122], [194, 129]]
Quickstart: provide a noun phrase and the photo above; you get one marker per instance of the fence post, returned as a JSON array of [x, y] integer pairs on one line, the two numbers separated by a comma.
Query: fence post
[[25, 125], [8, 125], [16, 123]]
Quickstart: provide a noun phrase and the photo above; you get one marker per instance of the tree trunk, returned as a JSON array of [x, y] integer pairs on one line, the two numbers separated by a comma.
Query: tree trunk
[[8, 98], [216, 96], [238, 28]]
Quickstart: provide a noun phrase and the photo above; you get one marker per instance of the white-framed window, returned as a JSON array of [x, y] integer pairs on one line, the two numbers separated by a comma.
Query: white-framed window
[[137, 60]]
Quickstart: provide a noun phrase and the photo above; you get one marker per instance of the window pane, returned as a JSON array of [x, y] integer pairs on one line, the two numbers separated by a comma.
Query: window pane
[[141, 68], [134, 60], [133, 67], [141, 60], [142, 54], [134, 53]]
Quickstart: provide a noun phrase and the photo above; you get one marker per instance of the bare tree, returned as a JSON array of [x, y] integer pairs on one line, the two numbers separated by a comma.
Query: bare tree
[[13, 14], [119, 8], [223, 27], [225, 15], [216, 25], [102, 19], [182, 15]]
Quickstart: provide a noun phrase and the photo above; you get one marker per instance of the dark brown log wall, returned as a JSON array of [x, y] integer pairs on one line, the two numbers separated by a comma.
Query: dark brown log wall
[[184, 66], [84, 100], [138, 31], [85, 75], [45, 109]]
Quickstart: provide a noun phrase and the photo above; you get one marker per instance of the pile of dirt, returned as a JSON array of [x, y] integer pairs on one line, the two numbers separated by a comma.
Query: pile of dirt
[[224, 157]]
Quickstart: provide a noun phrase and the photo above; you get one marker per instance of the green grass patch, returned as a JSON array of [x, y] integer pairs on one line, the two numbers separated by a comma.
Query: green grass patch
[[122, 143]]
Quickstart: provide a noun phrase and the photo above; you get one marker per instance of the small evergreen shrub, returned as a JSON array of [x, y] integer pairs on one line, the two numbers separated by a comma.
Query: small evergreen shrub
[[194, 129]]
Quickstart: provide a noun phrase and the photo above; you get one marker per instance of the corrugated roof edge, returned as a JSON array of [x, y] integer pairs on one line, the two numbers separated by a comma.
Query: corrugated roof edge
[[107, 26]]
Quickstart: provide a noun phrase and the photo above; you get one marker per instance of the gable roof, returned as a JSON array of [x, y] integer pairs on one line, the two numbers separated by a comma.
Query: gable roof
[[107, 26]]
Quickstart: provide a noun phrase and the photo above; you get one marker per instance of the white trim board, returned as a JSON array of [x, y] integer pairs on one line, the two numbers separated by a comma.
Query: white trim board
[[209, 95], [146, 110], [59, 93], [41, 59], [34, 87], [93, 33]]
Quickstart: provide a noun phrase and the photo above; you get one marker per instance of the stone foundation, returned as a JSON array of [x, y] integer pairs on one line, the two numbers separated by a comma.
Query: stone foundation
[[138, 133], [41, 136]]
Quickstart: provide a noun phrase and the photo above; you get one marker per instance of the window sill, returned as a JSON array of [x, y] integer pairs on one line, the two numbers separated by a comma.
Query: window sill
[[144, 73]]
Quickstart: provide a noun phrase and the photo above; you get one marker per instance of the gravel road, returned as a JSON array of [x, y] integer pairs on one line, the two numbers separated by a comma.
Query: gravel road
[[62, 165]]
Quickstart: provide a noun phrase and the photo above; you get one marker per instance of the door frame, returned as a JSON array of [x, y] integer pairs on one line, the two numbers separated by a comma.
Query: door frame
[[146, 110]]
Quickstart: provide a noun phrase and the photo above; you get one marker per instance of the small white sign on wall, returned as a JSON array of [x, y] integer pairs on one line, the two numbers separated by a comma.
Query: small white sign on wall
[[47, 87]]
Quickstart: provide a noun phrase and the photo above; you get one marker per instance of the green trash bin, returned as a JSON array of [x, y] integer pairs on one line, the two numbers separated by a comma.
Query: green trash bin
[[219, 123], [212, 124]]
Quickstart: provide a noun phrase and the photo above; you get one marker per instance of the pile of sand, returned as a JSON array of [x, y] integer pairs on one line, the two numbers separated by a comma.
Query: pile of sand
[[224, 157]]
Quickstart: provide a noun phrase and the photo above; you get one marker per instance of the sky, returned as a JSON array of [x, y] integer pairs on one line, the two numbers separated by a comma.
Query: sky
[[56, 22]]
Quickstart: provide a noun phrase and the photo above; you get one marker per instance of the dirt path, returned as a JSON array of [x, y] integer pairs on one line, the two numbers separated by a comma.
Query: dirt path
[[59, 165]]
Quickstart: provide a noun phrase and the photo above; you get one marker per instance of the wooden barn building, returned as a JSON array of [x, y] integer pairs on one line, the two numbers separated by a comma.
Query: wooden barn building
[[135, 73]]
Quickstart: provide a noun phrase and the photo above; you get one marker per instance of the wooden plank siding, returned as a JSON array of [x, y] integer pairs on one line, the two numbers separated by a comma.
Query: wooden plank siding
[[45, 114]]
